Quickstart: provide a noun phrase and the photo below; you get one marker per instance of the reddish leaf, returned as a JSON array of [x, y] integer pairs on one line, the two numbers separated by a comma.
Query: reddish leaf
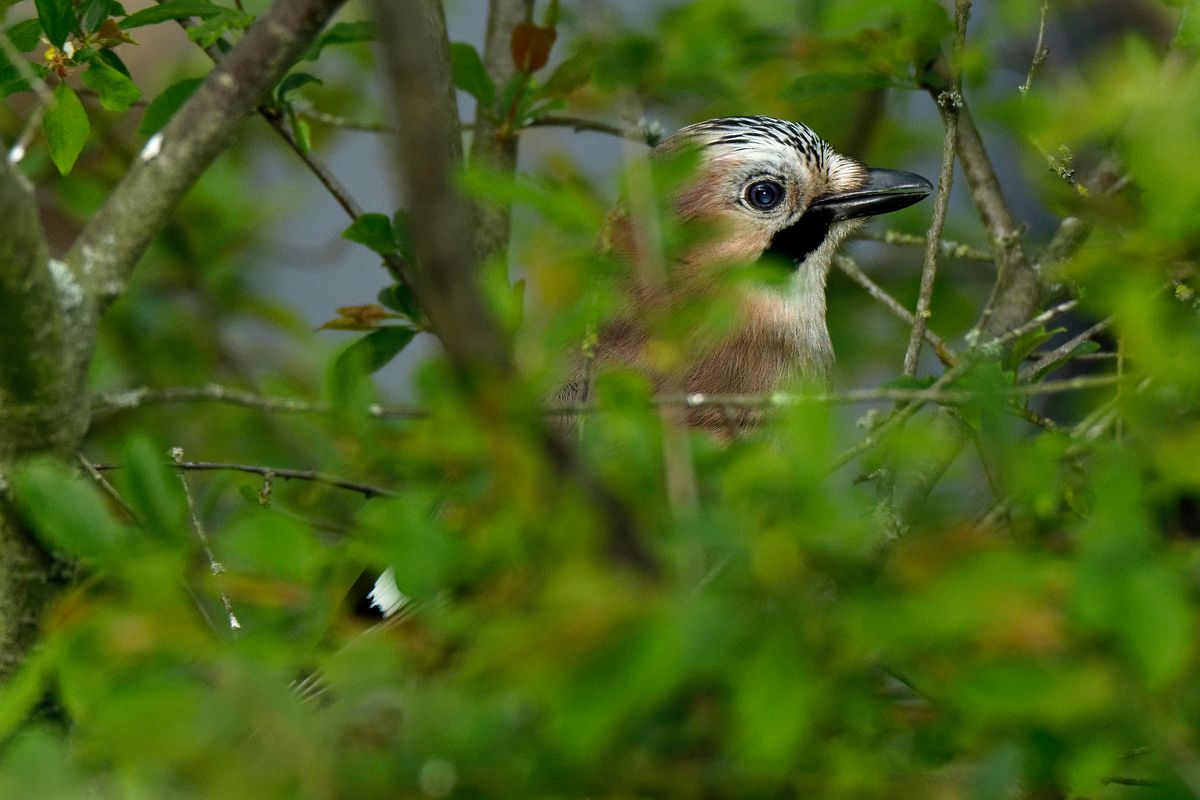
[[531, 46], [360, 318], [111, 35]]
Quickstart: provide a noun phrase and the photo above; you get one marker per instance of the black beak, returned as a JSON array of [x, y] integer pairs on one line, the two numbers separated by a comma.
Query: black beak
[[886, 190]]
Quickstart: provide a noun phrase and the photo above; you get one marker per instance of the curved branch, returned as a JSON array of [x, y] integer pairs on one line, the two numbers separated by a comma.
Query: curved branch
[[105, 253]]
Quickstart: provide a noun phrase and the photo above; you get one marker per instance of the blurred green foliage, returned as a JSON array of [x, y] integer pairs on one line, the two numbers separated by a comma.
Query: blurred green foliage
[[789, 647]]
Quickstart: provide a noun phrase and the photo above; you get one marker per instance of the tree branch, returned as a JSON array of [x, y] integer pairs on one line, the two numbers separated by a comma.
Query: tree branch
[[1063, 351], [365, 489], [1040, 51], [847, 265], [337, 190], [933, 239], [417, 70], [494, 146], [947, 247], [949, 104], [136, 398], [36, 296], [40, 410], [1018, 288], [105, 253]]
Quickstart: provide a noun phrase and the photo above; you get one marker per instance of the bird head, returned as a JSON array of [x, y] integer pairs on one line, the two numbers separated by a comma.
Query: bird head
[[770, 185]]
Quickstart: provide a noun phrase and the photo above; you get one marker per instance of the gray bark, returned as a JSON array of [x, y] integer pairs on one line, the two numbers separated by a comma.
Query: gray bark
[[493, 147], [50, 310], [417, 70], [38, 413]]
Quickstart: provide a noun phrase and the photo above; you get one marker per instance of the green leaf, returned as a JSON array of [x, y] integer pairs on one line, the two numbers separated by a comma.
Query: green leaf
[[1027, 344], [149, 484], [214, 27], [293, 82], [57, 18], [1083, 348], [399, 298], [470, 75], [568, 76], [909, 382], [423, 555], [67, 513], [372, 352], [94, 12], [513, 94], [342, 33], [66, 127], [12, 81], [300, 129], [374, 231], [117, 91], [25, 35], [808, 86], [173, 9], [264, 542], [114, 61], [163, 107]]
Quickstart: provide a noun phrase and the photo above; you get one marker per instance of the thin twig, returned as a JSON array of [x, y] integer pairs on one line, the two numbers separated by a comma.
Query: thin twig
[[129, 399], [108, 489], [941, 203], [337, 190], [1095, 424], [1040, 51], [1063, 351], [899, 415], [1018, 288], [1119, 781], [847, 265], [202, 536], [1038, 321], [647, 132], [136, 398], [365, 489], [44, 95], [343, 123], [947, 247], [105, 252]]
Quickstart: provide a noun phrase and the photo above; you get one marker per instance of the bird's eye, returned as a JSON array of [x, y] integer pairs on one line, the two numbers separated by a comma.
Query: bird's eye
[[764, 195]]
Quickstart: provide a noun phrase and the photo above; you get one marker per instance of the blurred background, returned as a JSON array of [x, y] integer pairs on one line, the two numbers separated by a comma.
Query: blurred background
[[686, 62], [1031, 634]]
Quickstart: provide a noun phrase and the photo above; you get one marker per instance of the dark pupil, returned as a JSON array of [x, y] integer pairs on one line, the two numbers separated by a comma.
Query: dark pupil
[[765, 194]]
